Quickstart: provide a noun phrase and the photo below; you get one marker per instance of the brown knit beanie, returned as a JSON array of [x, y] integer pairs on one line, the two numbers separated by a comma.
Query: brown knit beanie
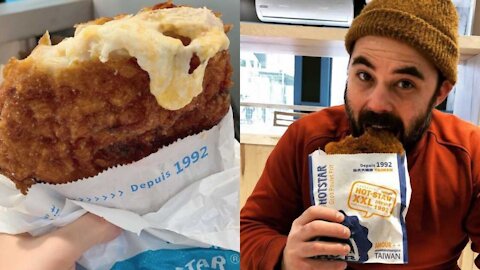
[[430, 26]]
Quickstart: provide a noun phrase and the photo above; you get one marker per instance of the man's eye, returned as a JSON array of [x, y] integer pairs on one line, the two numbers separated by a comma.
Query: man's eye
[[405, 84], [364, 76]]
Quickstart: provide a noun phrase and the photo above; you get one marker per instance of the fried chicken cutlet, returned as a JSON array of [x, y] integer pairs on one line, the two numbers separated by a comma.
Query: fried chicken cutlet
[[104, 98], [372, 141]]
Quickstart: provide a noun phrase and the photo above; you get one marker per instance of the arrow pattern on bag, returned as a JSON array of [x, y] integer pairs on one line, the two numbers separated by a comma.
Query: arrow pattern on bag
[[101, 197], [54, 210]]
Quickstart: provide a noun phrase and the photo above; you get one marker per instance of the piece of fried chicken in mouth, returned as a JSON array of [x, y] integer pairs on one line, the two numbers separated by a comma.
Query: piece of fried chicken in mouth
[[372, 141]]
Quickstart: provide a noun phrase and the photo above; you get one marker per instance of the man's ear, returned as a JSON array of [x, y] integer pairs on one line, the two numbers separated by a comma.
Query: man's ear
[[443, 92]]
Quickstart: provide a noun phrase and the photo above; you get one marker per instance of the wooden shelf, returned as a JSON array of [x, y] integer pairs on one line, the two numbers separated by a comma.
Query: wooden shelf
[[292, 39], [469, 46], [315, 41], [260, 139]]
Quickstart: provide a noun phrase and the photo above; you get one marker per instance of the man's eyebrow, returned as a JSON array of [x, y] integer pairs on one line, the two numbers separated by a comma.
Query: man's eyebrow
[[413, 71], [360, 60], [409, 70]]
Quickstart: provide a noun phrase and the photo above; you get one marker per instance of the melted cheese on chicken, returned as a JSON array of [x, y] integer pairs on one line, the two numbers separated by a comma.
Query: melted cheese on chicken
[[165, 58]]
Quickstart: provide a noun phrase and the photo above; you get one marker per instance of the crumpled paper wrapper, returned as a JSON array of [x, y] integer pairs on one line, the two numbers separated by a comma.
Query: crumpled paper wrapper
[[184, 195]]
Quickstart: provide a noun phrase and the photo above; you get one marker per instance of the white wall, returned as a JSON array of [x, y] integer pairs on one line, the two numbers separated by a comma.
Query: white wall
[[11, 49], [476, 20], [339, 78]]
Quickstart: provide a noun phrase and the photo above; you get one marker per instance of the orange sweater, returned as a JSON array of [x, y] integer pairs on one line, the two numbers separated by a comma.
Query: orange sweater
[[444, 209]]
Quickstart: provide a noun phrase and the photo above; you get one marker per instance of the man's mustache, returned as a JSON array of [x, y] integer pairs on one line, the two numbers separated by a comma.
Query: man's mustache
[[386, 121]]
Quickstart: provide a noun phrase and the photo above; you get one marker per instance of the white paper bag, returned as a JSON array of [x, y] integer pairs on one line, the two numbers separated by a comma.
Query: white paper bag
[[373, 192]]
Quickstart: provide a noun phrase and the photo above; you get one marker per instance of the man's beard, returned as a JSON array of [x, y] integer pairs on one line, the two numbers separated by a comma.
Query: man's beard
[[408, 137]]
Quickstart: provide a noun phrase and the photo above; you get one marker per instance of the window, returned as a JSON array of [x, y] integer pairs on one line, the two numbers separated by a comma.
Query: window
[[275, 90], [266, 82], [466, 11]]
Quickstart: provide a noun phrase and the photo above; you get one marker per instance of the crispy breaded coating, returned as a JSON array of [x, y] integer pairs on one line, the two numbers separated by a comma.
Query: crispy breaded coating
[[372, 141], [63, 126], [94, 116]]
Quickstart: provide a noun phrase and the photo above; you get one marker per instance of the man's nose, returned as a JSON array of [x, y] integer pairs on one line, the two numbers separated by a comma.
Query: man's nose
[[379, 100]]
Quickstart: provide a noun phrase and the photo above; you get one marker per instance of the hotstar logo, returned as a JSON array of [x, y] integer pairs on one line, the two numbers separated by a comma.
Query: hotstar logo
[[217, 263]]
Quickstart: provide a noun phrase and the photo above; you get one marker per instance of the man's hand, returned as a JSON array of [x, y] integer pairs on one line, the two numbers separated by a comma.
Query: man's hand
[[316, 221], [58, 249]]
